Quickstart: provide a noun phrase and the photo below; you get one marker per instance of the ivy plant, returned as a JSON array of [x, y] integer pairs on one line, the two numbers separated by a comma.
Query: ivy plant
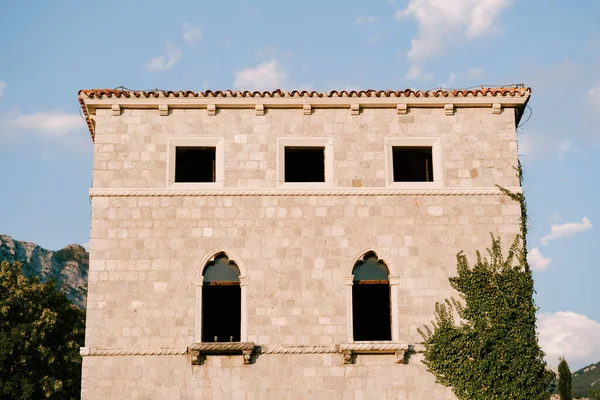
[[484, 344]]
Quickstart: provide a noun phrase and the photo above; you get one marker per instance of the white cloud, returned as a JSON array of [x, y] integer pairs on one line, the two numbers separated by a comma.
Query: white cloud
[[49, 124], [537, 261], [533, 144], [167, 60], [594, 95], [54, 124], [563, 230], [415, 73], [191, 32], [362, 19], [571, 335], [2, 88], [443, 22], [267, 75], [440, 19]]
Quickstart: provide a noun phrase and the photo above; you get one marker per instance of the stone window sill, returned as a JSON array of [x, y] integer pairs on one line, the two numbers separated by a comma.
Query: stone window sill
[[400, 349], [199, 351]]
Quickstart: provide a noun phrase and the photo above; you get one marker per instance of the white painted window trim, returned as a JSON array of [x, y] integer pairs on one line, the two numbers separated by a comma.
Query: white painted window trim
[[394, 280], [438, 171], [216, 142], [395, 327], [199, 282], [325, 142]]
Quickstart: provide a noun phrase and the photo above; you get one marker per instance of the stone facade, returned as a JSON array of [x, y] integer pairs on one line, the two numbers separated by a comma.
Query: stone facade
[[295, 244]]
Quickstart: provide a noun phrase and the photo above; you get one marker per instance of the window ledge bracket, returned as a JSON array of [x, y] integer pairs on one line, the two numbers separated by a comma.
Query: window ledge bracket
[[199, 351], [400, 349]]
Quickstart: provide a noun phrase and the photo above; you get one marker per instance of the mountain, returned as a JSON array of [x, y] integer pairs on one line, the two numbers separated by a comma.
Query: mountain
[[68, 266], [586, 380]]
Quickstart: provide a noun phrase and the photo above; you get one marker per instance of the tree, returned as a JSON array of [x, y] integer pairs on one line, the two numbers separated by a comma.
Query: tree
[[493, 354], [594, 394], [40, 335], [564, 380]]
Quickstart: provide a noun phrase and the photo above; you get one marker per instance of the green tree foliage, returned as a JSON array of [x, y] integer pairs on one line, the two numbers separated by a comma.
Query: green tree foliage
[[493, 353], [40, 335], [564, 380]]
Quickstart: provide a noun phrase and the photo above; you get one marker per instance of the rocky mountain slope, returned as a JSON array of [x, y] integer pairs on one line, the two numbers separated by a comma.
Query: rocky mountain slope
[[68, 266], [586, 381]]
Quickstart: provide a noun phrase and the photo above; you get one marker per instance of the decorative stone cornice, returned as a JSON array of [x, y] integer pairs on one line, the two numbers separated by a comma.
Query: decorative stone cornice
[[148, 192], [94, 99]]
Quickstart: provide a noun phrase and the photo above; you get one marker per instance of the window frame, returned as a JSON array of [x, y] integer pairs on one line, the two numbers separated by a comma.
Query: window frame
[[199, 283], [394, 283], [436, 160], [324, 142], [216, 142]]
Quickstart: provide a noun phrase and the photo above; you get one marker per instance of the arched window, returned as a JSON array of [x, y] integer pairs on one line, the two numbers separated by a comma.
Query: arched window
[[221, 301], [371, 314]]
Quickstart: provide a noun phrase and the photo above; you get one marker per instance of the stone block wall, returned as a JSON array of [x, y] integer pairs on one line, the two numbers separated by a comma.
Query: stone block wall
[[478, 147], [295, 251]]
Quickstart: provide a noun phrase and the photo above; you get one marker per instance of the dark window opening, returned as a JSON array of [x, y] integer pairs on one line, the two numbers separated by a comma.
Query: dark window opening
[[195, 164], [412, 164], [304, 164], [221, 301], [371, 311]]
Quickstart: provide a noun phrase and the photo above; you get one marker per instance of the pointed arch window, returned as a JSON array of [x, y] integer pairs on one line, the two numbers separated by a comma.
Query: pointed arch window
[[221, 301], [371, 312]]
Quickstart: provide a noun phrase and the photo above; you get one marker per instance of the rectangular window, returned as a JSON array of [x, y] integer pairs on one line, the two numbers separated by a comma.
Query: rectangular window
[[195, 164], [221, 313], [304, 164], [371, 311], [412, 164]]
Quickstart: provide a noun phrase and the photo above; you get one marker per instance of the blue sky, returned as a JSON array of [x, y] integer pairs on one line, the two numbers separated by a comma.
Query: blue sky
[[51, 50]]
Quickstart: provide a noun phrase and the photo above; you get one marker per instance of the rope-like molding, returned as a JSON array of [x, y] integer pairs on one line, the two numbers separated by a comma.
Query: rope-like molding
[[374, 346], [265, 349], [221, 346], [486, 191], [133, 351], [285, 349]]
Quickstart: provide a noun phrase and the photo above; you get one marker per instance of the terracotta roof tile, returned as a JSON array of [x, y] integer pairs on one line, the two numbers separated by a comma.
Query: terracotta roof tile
[[118, 93], [278, 93]]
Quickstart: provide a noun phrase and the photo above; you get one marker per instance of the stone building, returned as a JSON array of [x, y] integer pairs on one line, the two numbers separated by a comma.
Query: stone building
[[285, 245]]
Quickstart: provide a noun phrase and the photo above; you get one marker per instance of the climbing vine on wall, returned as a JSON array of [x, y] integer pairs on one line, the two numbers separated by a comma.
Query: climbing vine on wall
[[484, 345]]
